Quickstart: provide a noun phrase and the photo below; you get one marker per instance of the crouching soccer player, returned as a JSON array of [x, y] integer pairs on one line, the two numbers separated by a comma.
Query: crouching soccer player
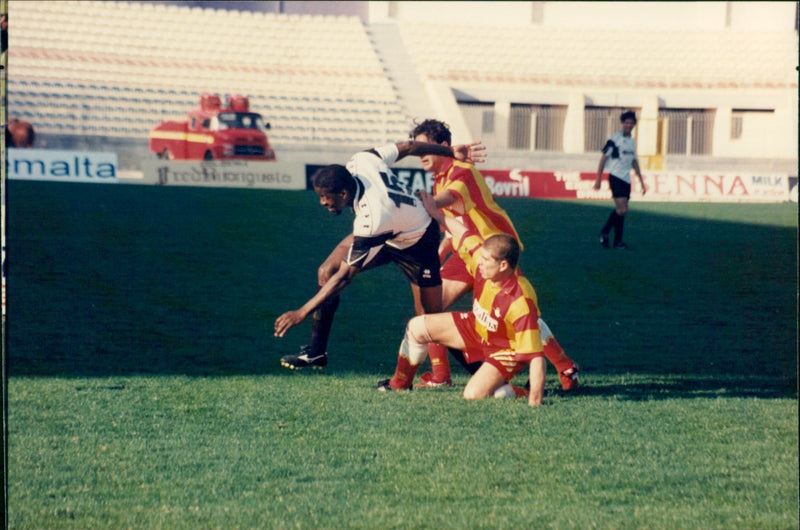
[[501, 331]]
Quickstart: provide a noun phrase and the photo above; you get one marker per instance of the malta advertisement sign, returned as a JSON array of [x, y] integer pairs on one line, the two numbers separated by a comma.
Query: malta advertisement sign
[[65, 166], [225, 174], [678, 186]]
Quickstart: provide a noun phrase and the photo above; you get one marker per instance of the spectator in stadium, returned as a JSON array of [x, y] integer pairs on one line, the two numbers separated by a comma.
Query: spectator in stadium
[[501, 330], [390, 225], [19, 134], [3, 34], [619, 154], [461, 192]]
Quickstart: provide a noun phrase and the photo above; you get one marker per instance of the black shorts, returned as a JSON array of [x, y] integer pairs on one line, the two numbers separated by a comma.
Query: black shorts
[[419, 262], [619, 188]]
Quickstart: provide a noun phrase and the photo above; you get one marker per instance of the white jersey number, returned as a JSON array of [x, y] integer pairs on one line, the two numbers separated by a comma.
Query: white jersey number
[[397, 192]]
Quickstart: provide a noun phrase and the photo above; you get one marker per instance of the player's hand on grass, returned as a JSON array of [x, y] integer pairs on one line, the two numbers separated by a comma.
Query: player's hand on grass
[[472, 153], [287, 321]]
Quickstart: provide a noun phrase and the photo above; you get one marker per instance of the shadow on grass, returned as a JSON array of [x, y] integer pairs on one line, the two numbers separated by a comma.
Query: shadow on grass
[[124, 280], [689, 387]]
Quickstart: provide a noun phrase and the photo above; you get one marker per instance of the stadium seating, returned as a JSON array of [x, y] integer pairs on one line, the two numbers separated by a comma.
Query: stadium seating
[[541, 55], [120, 68]]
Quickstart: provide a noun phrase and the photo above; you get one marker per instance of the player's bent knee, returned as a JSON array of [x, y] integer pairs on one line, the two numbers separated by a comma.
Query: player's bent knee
[[472, 393], [417, 330]]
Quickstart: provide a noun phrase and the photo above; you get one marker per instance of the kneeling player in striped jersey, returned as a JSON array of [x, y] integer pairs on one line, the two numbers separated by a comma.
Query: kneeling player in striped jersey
[[460, 191], [501, 331]]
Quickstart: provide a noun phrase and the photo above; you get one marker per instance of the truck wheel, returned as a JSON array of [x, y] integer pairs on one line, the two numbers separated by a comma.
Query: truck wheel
[[208, 156]]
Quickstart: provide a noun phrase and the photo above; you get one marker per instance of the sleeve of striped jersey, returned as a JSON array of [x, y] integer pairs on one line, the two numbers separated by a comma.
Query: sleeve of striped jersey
[[524, 318], [462, 185], [467, 246]]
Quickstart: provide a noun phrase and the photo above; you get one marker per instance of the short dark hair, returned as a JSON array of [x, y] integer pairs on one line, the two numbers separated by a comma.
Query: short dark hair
[[628, 115], [333, 179], [437, 131], [504, 245]]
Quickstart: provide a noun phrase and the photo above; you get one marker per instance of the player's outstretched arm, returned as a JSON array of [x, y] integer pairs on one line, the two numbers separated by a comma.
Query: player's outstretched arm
[[451, 224], [471, 153], [333, 286], [538, 369]]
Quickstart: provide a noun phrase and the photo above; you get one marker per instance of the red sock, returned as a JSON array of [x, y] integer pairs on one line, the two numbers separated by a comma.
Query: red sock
[[403, 374], [440, 362], [519, 391], [555, 354]]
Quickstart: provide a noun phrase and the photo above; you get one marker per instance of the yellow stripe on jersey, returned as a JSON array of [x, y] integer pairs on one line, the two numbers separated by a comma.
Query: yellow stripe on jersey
[[480, 208], [525, 340], [466, 246]]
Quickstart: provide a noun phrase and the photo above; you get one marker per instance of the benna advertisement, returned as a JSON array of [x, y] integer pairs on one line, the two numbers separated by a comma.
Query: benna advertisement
[[67, 166], [661, 186]]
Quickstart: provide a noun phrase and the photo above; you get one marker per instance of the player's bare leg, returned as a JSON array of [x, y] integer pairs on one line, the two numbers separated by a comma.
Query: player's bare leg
[[484, 382], [452, 291], [621, 208], [421, 331], [315, 354]]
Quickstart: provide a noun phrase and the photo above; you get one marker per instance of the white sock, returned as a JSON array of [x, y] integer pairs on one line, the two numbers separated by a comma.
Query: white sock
[[414, 351], [504, 391]]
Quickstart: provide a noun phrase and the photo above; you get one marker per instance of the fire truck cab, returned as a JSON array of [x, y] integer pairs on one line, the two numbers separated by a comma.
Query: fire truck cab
[[214, 132]]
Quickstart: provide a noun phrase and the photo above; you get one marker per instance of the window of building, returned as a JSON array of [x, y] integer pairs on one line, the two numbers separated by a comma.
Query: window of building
[[536, 127], [741, 116], [688, 131], [599, 123], [479, 117]]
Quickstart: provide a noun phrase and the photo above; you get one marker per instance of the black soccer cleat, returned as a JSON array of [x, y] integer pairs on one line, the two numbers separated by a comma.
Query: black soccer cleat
[[621, 246], [384, 386], [305, 359], [604, 240]]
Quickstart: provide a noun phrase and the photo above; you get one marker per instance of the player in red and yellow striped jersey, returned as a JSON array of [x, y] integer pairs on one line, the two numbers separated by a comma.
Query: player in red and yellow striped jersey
[[461, 192], [501, 332]]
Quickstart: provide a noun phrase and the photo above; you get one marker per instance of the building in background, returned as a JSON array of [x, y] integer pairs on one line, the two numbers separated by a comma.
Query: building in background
[[542, 84]]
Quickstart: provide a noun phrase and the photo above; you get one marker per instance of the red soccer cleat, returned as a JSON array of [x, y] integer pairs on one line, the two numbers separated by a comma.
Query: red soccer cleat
[[569, 378], [426, 380]]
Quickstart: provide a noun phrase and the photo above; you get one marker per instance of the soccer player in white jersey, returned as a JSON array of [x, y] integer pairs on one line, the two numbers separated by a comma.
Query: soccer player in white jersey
[[390, 226], [619, 154]]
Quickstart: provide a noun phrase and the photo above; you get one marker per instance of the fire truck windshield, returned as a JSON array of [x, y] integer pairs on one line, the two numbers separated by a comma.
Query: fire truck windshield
[[239, 120]]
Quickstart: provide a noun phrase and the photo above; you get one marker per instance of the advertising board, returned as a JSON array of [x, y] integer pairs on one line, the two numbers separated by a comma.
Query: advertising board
[[225, 174], [58, 165]]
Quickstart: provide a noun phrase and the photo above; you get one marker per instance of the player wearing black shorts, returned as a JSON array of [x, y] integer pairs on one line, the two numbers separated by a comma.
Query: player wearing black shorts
[[619, 154], [390, 226]]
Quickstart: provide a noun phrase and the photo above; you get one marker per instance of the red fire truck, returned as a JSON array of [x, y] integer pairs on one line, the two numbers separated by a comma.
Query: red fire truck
[[214, 132]]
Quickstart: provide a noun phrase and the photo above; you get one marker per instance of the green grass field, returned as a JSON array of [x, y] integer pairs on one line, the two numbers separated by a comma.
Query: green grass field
[[145, 392]]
